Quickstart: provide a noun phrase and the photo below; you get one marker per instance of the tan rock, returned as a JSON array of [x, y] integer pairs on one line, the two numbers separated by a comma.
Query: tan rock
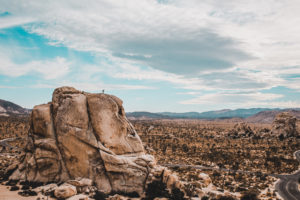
[[81, 182], [86, 140], [111, 126], [284, 125], [133, 175], [241, 130], [117, 197], [46, 188], [204, 179], [78, 197], [43, 124], [65, 191]]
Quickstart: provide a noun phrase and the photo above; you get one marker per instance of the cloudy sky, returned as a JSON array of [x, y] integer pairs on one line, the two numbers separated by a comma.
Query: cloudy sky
[[156, 55]]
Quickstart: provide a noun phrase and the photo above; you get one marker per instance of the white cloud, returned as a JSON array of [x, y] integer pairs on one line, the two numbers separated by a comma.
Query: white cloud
[[276, 104], [7, 22], [162, 36], [94, 87], [181, 37], [243, 100], [49, 69], [6, 86], [224, 46]]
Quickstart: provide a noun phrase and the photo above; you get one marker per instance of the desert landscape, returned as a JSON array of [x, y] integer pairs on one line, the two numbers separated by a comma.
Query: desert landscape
[[213, 159], [149, 100]]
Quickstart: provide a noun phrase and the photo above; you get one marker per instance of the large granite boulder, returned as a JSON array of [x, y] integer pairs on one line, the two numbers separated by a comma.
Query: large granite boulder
[[83, 135], [284, 125]]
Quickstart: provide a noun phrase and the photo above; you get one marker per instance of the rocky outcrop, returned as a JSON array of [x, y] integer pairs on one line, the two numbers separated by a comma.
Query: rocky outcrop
[[284, 125], [241, 130], [83, 138]]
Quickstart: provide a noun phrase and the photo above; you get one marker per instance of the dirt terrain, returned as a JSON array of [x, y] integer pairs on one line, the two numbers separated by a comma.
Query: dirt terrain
[[214, 144]]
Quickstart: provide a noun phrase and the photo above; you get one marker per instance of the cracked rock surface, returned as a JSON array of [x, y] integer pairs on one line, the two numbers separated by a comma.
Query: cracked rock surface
[[84, 135], [284, 125]]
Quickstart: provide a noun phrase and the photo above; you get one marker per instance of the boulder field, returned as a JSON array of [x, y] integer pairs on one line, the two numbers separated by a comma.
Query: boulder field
[[86, 136]]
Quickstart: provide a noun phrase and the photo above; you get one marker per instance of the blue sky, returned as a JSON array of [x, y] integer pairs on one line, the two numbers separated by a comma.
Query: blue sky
[[157, 56]]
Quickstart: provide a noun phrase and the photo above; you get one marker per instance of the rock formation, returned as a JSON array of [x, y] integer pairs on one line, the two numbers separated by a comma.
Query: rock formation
[[84, 135], [284, 125], [241, 130]]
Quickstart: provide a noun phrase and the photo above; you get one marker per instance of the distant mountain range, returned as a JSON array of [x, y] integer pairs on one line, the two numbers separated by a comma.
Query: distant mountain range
[[219, 114], [8, 108], [252, 115], [268, 116]]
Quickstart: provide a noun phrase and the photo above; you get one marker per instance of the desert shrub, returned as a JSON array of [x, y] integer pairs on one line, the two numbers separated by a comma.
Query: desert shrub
[[156, 189], [14, 188], [189, 190], [100, 196], [205, 198], [281, 137], [127, 194], [185, 148], [177, 194], [250, 195], [226, 198], [27, 193]]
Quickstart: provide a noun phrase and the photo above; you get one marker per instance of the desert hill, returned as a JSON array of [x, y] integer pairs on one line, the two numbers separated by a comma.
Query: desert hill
[[269, 116], [8, 108]]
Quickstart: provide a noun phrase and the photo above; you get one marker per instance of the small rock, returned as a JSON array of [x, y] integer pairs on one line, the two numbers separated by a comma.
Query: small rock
[[65, 191], [81, 183], [117, 197], [46, 188], [204, 179], [79, 197], [86, 182]]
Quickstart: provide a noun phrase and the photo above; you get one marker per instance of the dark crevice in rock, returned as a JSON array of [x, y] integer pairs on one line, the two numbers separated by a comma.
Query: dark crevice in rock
[[34, 147], [63, 167], [147, 176], [98, 140]]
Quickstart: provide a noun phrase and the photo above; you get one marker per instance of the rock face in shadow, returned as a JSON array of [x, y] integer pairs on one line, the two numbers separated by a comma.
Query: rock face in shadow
[[84, 135], [284, 125]]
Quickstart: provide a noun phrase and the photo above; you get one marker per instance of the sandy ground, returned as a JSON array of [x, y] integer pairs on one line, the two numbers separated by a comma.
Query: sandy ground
[[5, 194]]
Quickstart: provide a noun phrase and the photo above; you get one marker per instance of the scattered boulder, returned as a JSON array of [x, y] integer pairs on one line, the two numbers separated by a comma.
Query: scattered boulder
[[46, 189], [204, 179], [117, 197], [79, 197], [241, 130], [65, 191], [284, 125]]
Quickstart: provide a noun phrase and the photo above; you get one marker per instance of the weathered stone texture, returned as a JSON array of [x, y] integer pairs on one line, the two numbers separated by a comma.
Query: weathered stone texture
[[284, 125], [83, 136]]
